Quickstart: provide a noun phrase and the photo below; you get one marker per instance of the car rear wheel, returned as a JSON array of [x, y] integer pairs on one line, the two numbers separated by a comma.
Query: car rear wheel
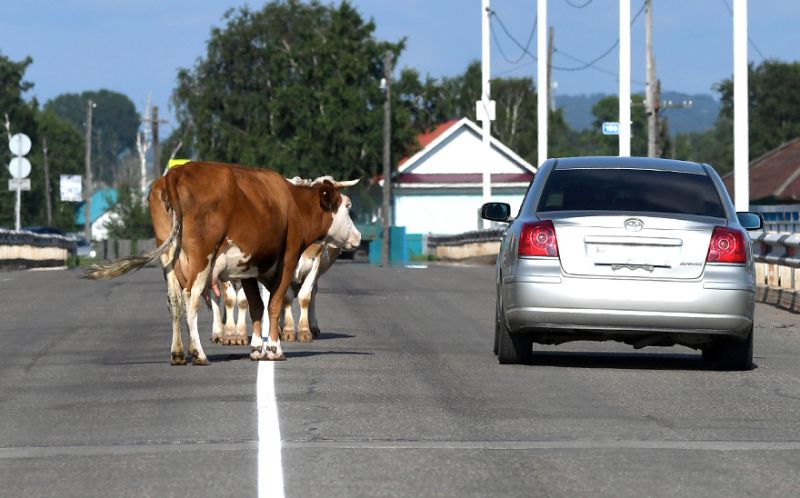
[[497, 326], [731, 354], [512, 348]]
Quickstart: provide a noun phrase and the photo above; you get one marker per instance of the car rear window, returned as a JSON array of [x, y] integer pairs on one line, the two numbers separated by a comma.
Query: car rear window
[[630, 190]]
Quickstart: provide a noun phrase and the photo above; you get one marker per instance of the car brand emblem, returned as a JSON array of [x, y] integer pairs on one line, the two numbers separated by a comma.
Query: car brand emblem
[[634, 224]]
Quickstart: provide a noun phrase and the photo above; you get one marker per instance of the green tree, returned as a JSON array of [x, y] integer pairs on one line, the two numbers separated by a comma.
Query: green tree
[[593, 142], [22, 118], [114, 125], [774, 104], [65, 151], [774, 117], [294, 87]]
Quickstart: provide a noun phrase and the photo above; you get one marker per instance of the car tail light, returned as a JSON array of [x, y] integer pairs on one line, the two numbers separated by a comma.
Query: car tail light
[[538, 239], [727, 246]]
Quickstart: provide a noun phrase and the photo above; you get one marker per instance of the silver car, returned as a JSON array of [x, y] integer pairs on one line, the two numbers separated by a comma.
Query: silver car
[[649, 252]]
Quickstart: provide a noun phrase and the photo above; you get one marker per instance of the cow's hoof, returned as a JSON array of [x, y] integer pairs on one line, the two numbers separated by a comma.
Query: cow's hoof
[[200, 362], [193, 352], [305, 336], [215, 338], [235, 341], [315, 332], [255, 355], [288, 336], [273, 356], [177, 359]]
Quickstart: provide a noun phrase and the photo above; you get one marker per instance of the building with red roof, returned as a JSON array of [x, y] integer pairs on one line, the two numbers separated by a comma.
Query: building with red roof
[[439, 189], [774, 177]]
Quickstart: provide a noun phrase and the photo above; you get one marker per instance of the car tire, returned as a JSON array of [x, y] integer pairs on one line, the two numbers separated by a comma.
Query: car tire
[[497, 327], [512, 348], [731, 354]]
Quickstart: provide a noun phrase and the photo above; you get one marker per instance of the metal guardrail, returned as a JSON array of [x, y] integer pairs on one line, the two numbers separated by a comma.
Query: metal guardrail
[[776, 248], [475, 236], [21, 250], [23, 238]]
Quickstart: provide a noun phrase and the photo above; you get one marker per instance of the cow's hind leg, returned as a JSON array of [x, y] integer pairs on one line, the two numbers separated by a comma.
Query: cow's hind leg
[[306, 299], [255, 300], [287, 331], [175, 305], [216, 327], [241, 317], [235, 333], [192, 300], [312, 314]]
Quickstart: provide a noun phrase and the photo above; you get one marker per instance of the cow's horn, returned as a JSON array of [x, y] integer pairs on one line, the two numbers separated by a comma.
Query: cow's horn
[[348, 183]]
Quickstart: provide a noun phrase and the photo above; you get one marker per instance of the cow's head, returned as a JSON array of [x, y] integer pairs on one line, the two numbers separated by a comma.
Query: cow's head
[[342, 232]]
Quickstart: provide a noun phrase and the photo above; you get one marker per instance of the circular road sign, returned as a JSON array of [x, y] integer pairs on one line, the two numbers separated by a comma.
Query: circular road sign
[[19, 144], [19, 167]]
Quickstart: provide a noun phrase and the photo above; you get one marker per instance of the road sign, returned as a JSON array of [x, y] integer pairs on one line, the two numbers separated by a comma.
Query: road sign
[[19, 144], [71, 188], [611, 128], [19, 167], [19, 183]]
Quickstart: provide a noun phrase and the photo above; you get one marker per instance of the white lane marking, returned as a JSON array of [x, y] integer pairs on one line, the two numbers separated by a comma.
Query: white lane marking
[[270, 470]]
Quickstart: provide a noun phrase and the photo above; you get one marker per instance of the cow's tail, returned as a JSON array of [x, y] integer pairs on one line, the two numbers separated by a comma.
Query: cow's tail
[[125, 265]]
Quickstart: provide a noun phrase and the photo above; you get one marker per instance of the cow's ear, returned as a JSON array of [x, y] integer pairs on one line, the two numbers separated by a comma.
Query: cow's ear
[[329, 197]]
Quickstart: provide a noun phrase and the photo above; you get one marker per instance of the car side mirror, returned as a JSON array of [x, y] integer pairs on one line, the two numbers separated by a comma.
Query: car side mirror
[[750, 221], [496, 211]]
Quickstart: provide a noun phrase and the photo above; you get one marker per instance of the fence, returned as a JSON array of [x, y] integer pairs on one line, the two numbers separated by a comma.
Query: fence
[[22, 250], [780, 218], [111, 249]]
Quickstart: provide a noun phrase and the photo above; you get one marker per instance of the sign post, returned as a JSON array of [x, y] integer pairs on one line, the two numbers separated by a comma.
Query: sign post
[[20, 168]]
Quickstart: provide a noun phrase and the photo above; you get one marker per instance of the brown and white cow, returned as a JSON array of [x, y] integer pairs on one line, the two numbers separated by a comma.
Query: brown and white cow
[[315, 260], [229, 221]]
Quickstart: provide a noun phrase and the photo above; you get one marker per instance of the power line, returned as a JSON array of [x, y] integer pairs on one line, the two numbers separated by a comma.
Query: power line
[[578, 6], [750, 40], [585, 65], [525, 50]]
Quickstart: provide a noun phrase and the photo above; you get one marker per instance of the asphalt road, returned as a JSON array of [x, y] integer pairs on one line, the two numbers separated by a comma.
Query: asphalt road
[[401, 396]]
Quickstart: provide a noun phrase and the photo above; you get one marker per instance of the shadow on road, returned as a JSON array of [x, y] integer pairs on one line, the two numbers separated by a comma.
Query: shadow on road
[[333, 335], [227, 357], [623, 361], [306, 354]]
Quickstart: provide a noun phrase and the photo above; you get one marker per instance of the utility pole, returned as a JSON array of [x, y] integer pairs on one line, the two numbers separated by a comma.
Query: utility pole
[[47, 189], [156, 147], [87, 185], [386, 210], [551, 101], [652, 99], [153, 121]]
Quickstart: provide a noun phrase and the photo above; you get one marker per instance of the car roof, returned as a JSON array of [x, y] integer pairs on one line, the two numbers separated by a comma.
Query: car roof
[[615, 162]]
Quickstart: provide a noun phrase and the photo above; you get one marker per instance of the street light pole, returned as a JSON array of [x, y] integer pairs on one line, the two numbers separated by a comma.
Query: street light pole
[[386, 210], [624, 78], [741, 112]]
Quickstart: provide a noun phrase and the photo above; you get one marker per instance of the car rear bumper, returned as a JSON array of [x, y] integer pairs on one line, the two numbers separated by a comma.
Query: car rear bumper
[[628, 307]]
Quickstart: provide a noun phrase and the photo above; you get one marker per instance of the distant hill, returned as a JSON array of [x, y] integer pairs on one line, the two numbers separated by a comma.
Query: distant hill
[[702, 115]]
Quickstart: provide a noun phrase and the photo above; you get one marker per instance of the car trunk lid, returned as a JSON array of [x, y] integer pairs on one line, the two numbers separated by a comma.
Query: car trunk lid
[[634, 246]]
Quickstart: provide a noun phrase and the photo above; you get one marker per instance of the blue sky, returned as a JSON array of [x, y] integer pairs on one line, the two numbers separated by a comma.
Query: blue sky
[[136, 46]]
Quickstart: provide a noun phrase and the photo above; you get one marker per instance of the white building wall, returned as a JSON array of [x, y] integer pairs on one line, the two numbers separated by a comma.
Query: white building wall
[[442, 214], [463, 152]]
